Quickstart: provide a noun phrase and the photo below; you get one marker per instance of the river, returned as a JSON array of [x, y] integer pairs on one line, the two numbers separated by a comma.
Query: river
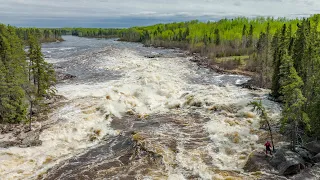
[[127, 116]]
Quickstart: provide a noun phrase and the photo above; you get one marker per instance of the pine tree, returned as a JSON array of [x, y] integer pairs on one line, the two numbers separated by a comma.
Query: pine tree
[[293, 115], [300, 46], [280, 47], [217, 39], [276, 64], [244, 36], [250, 37], [13, 67], [42, 72], [41, 77]]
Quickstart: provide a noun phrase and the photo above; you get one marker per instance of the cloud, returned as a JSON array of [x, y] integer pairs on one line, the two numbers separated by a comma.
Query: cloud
[[20, 12], [237, 3]]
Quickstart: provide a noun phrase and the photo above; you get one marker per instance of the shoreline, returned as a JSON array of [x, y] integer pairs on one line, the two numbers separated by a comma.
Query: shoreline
[[205, 62], [19, 135]]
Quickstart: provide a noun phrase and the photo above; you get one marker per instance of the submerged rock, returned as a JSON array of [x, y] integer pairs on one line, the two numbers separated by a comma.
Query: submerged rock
[[151, 56]]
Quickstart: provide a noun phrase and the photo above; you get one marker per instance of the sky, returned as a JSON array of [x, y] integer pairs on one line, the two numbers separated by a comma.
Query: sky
[[128, 13]]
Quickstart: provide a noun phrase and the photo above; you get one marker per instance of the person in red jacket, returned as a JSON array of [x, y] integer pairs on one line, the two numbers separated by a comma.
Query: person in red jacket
[[268, 147]]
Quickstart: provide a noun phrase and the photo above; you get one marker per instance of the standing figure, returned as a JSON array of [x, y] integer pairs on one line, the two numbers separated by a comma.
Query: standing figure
[[268, 147]]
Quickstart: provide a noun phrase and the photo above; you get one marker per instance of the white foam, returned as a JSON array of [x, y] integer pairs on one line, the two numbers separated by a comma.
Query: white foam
[[147, 87]]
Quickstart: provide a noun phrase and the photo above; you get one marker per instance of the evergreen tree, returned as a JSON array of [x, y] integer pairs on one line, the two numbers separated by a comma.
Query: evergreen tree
[[276, 64], [250, 37], [42, 72], [41, 77], [293, 115], [13, 67], [280, 47], [217, 40], [299, 48], [244, 36]]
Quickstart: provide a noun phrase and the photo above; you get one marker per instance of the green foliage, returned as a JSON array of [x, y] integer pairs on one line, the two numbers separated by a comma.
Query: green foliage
[[15, 86], [293, 115], [13, 76], [41, 72], [43, 35]]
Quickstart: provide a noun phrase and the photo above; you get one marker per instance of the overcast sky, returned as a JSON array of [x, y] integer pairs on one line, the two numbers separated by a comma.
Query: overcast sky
[[126, 13]]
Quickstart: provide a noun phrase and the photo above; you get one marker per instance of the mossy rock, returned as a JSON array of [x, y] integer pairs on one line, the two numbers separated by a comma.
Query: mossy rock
[[138, 137]]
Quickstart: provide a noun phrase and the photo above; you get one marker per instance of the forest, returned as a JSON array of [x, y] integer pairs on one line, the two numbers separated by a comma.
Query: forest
[[91, 32], [26, 79]]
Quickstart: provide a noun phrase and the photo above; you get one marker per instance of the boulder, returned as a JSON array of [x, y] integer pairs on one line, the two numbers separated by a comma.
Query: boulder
[[304, 154], [287, 162], [313, 147], [30, 138], [257, 161], [64, 76], [290, 167], [316, 158], [250, 84]]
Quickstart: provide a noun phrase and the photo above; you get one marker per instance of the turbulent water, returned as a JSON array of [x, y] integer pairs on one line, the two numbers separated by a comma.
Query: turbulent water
[[127, 116]]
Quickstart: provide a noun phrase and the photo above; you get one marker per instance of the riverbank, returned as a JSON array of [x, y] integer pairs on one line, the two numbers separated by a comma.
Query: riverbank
[[20, 135]]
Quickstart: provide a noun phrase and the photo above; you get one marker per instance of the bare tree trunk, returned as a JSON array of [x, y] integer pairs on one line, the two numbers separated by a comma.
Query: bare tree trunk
[[30, 114], [294, 138], [270, 131]]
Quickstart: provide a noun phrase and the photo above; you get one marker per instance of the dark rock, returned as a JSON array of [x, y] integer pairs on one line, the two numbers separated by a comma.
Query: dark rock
[[313, 147], [6, 144], [257, 161], [287, 162], [305, 154], [290, 167], [316, 158], [153, 56], [64, 76], [311, 173], [249, 85]]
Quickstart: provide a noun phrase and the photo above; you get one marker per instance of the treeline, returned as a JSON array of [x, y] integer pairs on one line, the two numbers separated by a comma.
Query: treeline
[[26, 80], [283, 53], [214, 39], [42, 34], [92, 32]]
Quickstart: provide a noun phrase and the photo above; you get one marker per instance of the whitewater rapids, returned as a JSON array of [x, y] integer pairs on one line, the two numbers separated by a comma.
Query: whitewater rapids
[[165, 100]]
